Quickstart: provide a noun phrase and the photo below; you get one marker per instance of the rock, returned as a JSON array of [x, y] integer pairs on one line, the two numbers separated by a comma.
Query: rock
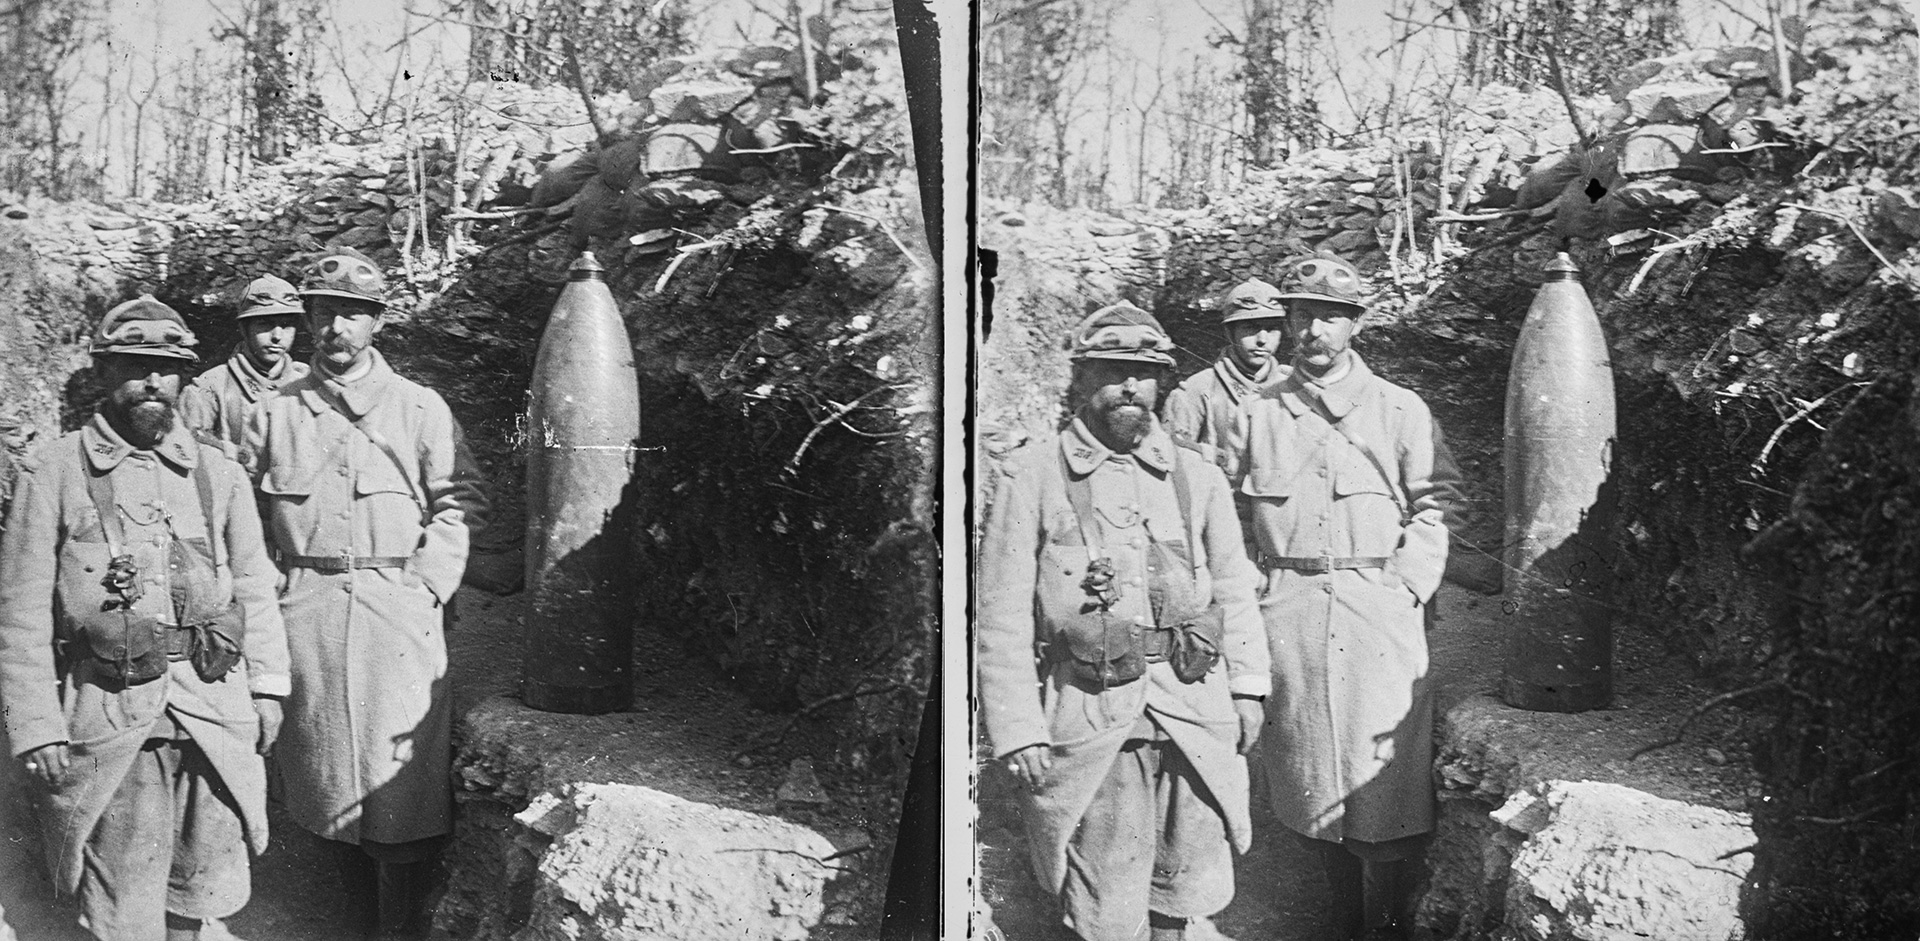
[[1111, 227], [1674, 102], [1609, 863], [629, 862], [1898, 210], [802, 786], [1657, 148]]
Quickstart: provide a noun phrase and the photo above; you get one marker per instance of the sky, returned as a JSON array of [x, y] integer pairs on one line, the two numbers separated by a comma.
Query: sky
[[368, 38], [1168, 33]]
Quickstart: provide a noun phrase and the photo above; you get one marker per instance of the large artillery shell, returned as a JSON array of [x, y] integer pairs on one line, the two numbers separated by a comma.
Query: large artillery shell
[[1559, 452], [583, 426]]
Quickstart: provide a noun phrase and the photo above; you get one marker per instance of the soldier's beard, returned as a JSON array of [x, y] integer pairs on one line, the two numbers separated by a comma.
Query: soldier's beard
[[147, 421], [1127, 423]]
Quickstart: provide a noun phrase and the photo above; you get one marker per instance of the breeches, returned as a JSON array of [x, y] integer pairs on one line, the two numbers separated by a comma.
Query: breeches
[[171, 841], [1153, 839]]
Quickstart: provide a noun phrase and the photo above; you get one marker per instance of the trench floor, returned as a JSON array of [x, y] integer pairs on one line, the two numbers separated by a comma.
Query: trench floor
[[1280, 894], [298, 895]]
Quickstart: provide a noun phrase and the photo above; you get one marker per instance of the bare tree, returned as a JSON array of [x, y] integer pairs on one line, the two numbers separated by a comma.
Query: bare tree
[[43, 41]]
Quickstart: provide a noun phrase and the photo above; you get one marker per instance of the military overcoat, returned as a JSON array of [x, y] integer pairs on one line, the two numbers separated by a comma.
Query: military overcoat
[[217, 401], [365, 750], [1033, 557], [1208, 408], [53, 555], [1348, 743]]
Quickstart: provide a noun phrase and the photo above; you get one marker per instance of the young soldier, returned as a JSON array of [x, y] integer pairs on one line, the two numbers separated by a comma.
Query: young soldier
[[370, 497], [1350, 488], [142, 655], [1117, 553], [1208, 410], [217, 401]]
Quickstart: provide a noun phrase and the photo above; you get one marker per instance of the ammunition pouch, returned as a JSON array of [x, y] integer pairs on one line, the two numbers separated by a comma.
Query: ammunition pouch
[[1194, 645], [125, 646], [214, 646], [1107, 655]]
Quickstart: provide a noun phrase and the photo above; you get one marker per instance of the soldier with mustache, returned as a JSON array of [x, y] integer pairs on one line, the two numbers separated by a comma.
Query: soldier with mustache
[[1352, 490], [142, 654], [1122, 664], [371, 499], [216, 403]]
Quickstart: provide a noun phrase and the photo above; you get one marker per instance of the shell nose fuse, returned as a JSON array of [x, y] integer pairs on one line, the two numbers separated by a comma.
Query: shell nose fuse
[[1560, 438], [583, 427]]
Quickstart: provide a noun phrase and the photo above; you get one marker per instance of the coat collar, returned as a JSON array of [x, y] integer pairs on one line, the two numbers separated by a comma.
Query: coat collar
[[1298, 392], [355, 399], [1238, 385], [1084, 452], [252, 382], [106, 449]]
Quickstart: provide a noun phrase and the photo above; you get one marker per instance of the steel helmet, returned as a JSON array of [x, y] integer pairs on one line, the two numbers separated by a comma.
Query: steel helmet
[[1322, 278], [343, 272], [1121, 331], [144, 327]]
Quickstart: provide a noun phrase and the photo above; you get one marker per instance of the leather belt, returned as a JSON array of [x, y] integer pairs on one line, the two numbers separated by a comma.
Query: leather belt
[[1321, 565], [1156, 644], [341, 563], [179, 643]]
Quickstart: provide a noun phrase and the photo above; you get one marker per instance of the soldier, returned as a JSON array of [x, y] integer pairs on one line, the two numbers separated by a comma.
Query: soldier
[[370, 497], [1208, 410], [216, 403], [1350, 487], [1116, 554], [142, 657]]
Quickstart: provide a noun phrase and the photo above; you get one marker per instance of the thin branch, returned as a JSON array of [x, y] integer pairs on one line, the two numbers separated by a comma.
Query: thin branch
[[580, 82], [1854, 227], [1560, 86], [902, 246], [1759, 463], [793, 463], [1705, 707], [1860, 817]]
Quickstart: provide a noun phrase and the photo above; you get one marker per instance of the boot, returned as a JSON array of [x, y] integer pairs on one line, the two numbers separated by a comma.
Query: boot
[[360, 881], [182, 929], [403, 889], [1346, 897], [1388, 890]]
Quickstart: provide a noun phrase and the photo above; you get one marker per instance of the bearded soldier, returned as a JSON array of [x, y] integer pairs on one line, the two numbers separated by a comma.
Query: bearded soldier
[[1208, 409], [370, 498], [1115, 554], [1351, 489], [142, 657], [217, 401]]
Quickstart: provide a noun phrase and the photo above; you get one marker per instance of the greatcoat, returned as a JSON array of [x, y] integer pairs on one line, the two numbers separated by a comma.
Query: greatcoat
[[1032, 559], [1348, 744], [1208, 409], [365, 750], [53, 556], [217, 401]]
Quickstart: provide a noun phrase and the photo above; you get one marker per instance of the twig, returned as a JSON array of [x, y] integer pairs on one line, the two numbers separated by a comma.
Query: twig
[[808, 709], [1854, 227], [793, 463], [580, 82], [527, 236], [1759, 463], [1745, 150], [1560, 85], [1705, 707], [1860, 817], [1477, 217], [876, 220], [685, 252], [467, 215]]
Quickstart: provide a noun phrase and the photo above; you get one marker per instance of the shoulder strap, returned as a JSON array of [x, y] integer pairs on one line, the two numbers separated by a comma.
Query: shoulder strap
[[380, 441], [1080, 496], [1353, 438], [100, 491], [1183, 495], [203, 483]]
